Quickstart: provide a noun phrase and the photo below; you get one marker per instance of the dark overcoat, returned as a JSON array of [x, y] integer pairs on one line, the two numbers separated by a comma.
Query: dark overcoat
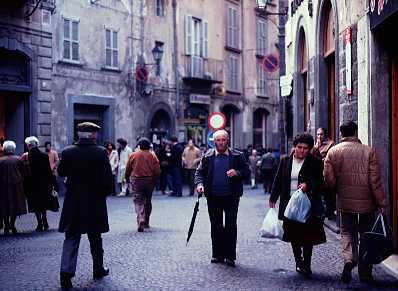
[[39, 182], [12, 196], [311, 232], [205, 169], [89, 180]]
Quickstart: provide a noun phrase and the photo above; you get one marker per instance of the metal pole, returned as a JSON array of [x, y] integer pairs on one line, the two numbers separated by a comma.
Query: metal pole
[[175, 57]]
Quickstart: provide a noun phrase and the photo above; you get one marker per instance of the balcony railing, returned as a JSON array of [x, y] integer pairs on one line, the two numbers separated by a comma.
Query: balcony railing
[[200, 68]]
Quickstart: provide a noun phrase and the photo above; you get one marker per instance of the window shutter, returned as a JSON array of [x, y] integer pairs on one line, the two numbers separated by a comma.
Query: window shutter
[[229, 27], [205, 40], [235, 28], [188, 35]]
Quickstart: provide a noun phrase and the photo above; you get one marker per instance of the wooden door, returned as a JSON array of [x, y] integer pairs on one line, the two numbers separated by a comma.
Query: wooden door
[[331, 97], [394, 149]]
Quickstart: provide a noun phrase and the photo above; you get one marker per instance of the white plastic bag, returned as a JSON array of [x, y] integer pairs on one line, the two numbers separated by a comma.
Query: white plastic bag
[[272, 227], [299, 207]]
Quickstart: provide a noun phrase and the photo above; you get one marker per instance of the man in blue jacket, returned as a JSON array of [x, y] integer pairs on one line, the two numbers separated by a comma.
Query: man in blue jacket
[[220, 177]]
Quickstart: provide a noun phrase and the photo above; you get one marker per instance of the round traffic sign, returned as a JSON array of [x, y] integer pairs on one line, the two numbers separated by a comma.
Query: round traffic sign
[[270, 63], [216, 121], [210, 139], [141, 74]]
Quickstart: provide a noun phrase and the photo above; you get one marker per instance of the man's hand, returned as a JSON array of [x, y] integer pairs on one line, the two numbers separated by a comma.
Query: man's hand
[[303, 187], [271, 204], [200, 189], [232, 173]]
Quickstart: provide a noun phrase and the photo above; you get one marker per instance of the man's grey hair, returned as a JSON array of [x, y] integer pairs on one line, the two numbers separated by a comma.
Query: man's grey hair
[[9, 146], [221, 132], [86, 134], [32, 141]]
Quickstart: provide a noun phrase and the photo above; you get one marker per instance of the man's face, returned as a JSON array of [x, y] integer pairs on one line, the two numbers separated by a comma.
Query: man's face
[[48, 147], [190, 143], [221, 143], [320, 134], [301, 151]]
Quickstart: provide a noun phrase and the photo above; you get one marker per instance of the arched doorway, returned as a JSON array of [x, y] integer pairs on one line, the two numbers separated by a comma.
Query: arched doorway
[[15, 89], [303, 80], [260, 116], [329, 58], [231, 114], [160, 126]]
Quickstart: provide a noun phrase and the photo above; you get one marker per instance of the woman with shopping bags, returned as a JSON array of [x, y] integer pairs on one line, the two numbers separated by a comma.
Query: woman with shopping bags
[[302, 171]]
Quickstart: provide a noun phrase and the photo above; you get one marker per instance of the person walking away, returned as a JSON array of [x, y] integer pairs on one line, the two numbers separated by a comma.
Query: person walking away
[[220, 177], [12, 197], [253, 159], [165, 176], [54, 159], [89, 181], [267, 167], [176, 166], [322, 146], [124, 152], [142, 170], [39, 183], [353, 171], [302, 171], [114, 161], [190, 159]]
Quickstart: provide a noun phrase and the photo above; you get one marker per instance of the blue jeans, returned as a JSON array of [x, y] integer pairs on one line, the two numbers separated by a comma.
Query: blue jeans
[[177, 180]]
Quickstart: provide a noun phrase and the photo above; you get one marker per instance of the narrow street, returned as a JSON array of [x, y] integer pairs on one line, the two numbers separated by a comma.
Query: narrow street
[[159, 260]]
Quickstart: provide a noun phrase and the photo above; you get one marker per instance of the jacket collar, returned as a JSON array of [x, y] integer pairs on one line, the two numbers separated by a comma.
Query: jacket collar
[[351, 139], [212, 152], [85, 141]]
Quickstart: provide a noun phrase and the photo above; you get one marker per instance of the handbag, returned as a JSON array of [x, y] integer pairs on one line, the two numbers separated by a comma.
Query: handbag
[[53, 204], [377, 243]]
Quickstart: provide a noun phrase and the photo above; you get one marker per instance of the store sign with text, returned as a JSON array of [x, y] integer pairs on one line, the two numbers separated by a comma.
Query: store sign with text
[[380, 10]]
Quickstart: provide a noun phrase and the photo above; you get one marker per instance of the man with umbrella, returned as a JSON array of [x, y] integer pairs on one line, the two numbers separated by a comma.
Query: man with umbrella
[[220, 177], [89, 180]]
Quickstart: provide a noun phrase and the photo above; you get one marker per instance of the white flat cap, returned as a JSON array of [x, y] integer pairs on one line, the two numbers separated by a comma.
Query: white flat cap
[[32, 140]]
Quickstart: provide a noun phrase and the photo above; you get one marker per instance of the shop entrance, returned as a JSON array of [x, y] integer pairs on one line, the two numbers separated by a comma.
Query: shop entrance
[[394, 148]]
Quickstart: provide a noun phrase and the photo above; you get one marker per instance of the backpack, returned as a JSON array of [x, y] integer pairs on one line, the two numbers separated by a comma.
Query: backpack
[[267, 162]]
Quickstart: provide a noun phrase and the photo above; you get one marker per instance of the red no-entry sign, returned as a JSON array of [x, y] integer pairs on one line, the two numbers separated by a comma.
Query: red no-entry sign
[[141, 74]]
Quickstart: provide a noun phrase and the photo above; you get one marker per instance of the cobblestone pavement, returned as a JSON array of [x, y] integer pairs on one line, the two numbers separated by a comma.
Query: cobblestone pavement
[[158, 259]]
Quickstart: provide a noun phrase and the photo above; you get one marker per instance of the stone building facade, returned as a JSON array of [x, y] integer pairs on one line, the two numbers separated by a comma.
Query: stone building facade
[[25, 70], [343, 62]]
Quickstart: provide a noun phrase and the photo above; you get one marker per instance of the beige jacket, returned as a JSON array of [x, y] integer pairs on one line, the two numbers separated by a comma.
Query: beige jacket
[[352, 169]]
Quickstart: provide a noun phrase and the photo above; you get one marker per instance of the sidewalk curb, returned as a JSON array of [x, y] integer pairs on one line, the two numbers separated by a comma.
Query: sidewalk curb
[[391, 265]]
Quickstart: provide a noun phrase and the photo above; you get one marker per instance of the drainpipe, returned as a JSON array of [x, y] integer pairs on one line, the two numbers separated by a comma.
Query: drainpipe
[[243, 86], [175, 57]]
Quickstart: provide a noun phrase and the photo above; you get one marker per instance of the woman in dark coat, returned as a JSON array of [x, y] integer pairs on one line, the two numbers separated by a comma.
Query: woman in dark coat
[[12, 197], [300, 170], [39, 183]]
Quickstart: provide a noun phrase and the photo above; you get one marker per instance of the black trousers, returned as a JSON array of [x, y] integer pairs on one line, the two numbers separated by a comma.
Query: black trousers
[[223, 236], [71, 248], [190, 174]]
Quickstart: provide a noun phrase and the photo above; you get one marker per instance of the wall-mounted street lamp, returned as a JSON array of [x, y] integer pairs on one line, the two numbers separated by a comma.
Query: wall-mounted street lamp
[[262, 9], [157, 53]]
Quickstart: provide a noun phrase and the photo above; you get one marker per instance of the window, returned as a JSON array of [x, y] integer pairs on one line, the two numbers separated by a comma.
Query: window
[[261, 38], [159, 8], [71, 40], [261, 80], [196, 37], [111, 49], [232, 28], [233, 75]]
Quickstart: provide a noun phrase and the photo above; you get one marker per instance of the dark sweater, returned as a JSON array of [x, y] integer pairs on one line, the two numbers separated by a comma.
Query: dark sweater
[[220, 186]]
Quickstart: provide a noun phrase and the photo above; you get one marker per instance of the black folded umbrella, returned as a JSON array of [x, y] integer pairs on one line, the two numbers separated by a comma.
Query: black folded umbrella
[[195, 212]]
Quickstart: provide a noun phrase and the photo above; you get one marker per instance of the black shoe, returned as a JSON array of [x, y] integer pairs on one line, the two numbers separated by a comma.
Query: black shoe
[[14, 230], [45, 226], [101, 273], [66, 282], [39, 227], [6, 231], [367, 280], [217, 261], [230, 263], [307, 271], [346, 275]]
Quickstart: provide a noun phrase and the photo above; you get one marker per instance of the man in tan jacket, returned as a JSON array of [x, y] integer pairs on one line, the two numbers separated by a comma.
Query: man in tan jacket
[[352, 170]]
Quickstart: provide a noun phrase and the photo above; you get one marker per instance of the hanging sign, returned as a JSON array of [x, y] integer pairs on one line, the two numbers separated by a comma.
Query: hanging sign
[[348, 66]]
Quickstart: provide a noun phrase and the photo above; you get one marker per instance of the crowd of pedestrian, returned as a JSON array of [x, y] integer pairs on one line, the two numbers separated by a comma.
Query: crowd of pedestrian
[[318, 168]]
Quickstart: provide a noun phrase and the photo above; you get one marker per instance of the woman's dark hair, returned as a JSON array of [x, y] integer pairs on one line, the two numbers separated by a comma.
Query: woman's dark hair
[[107, 143], [122, 141], [348, 128], [304, 138], [325, 132], [144, 144], [47, 143]]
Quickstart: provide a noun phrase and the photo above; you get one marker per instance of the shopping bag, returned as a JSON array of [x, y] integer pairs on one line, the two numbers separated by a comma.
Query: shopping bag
[[53, 204], [299, 206], [272, 226], [377, 244]]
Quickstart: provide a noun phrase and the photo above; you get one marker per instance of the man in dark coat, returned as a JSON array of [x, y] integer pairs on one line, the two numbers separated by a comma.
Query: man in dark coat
[[176, 166], [220, 177], [89, 181], [39, 183]]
